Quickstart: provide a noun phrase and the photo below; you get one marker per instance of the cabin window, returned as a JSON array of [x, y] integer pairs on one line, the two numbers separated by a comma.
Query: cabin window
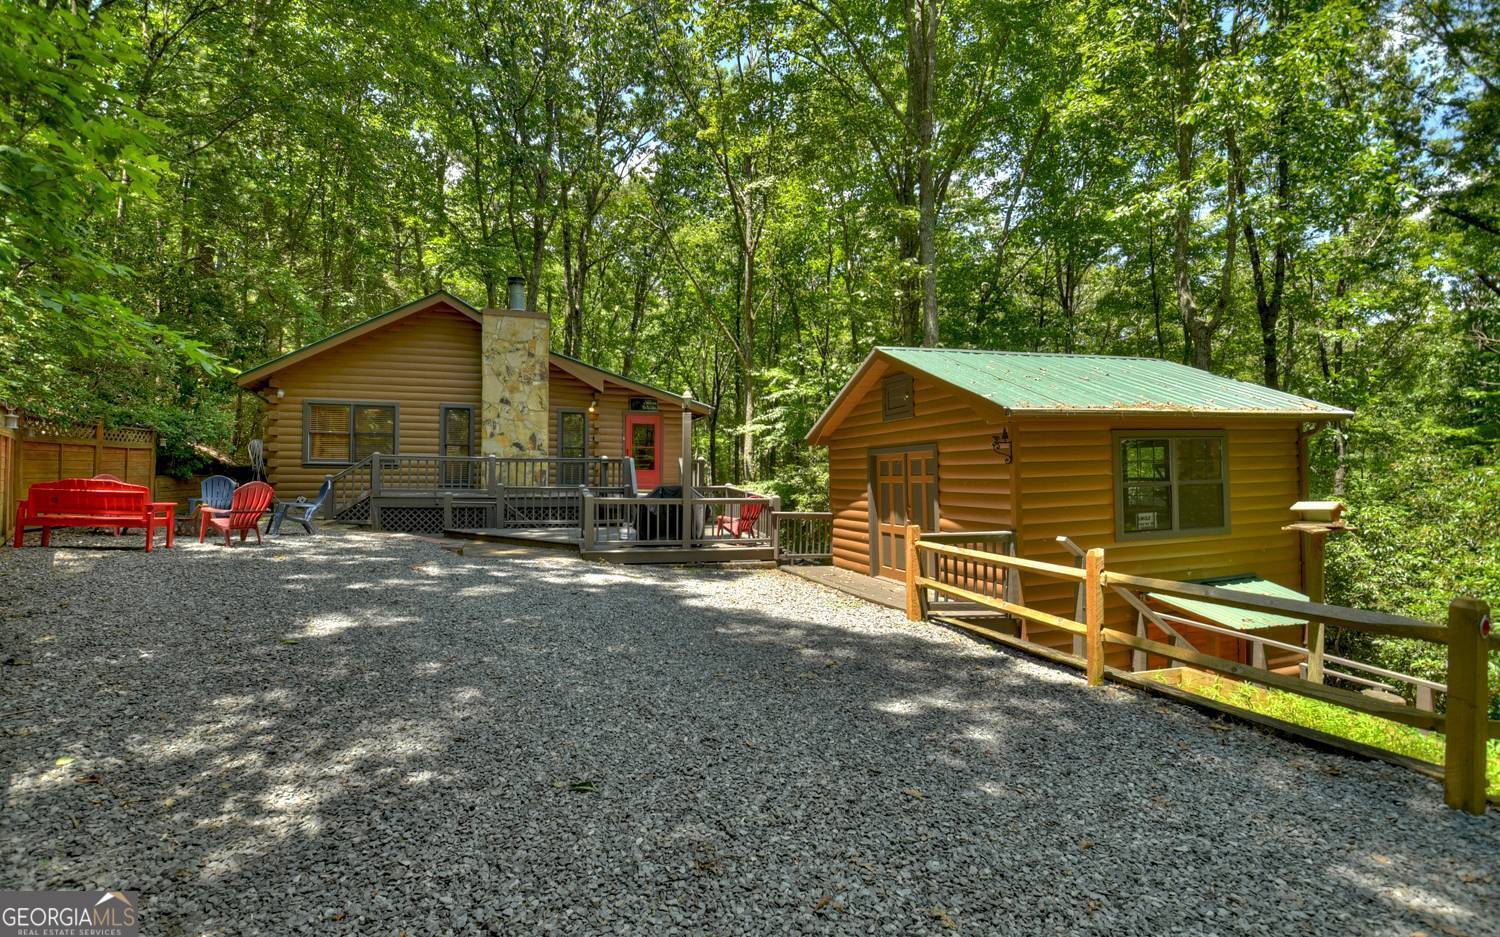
[[572, 434], [340, 433], [896, 396], [1171, 484], [572, 443], [457, 427]]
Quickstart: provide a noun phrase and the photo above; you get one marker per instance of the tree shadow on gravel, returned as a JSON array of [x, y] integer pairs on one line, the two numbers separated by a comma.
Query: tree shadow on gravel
[[350, 733]]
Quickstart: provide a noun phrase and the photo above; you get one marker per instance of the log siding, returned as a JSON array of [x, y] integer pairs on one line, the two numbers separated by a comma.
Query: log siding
[[1061, 482]]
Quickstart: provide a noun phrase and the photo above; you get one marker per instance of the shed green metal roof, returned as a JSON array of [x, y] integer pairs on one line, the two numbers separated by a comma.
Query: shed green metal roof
[[1239, 619], [1019, 380]]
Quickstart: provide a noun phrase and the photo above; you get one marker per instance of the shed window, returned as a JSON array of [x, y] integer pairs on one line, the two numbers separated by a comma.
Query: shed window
[[896, 395], [1171, 483], [341, 433]]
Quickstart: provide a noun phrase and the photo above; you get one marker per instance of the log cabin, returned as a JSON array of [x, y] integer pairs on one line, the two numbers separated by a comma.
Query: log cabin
[[1176, 472], [438, 381]]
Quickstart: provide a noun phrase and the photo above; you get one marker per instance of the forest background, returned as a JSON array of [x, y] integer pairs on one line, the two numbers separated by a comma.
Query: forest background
[[742, 198]]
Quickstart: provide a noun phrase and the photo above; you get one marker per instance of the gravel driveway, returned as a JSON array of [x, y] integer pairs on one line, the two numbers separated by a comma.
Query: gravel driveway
[[362, 733]]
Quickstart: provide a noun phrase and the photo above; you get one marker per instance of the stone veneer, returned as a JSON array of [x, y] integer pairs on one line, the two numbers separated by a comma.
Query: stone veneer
[[515, 347]]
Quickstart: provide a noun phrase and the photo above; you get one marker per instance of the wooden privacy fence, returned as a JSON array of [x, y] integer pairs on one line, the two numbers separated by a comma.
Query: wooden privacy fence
[[948, 570], [46, 451]]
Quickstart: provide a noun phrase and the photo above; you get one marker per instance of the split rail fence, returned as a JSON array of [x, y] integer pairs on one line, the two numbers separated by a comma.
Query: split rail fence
[[970, 576]]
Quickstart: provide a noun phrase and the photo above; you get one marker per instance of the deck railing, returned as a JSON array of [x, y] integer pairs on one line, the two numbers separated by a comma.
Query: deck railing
[[1465, 722], [524, 487], [802, 536], [711, 518]]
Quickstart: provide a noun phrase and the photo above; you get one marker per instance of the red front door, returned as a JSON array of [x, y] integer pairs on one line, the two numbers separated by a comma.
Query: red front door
[[643, 443]]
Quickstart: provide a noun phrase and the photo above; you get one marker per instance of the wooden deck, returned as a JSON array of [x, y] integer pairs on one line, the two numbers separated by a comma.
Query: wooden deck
[[568, 538], [885, 592]]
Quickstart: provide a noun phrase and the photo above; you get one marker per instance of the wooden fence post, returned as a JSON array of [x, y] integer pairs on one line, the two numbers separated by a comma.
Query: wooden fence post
[[1468, 706], [913, 570], [1313, 544], [1093, 610]]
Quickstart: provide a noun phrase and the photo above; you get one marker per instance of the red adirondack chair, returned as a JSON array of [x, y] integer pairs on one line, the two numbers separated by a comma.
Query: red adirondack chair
[[743, 524], [243, 514]]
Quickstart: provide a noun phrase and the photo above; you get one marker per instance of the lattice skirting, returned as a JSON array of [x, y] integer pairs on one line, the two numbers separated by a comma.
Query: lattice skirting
[[412, 520], [476, 515], [356, 513]]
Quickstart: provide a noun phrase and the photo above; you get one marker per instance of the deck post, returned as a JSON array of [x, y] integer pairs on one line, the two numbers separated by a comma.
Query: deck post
[[586, 534], [685, 474], [445, 501], [769, 519], [1093, 605], [374, 474], [1468, 706], [333, 497], [913, 571]]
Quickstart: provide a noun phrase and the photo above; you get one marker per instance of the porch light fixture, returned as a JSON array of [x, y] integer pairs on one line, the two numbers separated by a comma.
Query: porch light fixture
[[1000, 442], [594, 407], [12, 417]]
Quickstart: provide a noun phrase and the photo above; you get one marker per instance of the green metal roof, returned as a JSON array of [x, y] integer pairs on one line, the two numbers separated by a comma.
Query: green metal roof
[[1237, 618], [1018, 380]]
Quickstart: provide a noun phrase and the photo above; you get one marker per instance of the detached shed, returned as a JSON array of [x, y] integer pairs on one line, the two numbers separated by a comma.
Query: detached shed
[[1176, 472]]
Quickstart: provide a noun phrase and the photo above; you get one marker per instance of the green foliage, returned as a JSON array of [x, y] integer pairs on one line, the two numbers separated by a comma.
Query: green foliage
[[1427, 531], [74, 154], [1336, 720], [743, 198]]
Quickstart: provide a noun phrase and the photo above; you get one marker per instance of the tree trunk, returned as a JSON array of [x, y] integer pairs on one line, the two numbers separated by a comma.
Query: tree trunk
[[908, 258], [640, 294], [1161, 342], [747, 346], [1182, 223], [922, 29]]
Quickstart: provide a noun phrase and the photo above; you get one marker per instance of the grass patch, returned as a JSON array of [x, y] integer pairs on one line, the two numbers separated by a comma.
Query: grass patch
[[1325, 717]]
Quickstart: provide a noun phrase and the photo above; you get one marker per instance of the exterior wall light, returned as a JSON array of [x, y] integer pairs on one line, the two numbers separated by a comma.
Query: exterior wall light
[[1000, 442]]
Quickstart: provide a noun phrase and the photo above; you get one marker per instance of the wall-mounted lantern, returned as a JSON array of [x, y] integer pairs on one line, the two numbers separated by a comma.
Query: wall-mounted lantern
[[1000, 442], [12, 418]]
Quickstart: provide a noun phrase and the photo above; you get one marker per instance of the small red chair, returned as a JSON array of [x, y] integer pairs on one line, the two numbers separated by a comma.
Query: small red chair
[[243, 514], [744, 524]]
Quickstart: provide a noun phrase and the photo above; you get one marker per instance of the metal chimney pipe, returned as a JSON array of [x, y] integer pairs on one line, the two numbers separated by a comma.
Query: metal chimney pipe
[[515, 288]]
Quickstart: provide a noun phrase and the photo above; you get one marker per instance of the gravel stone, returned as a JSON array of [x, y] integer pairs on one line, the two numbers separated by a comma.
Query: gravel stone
[[355, 733]]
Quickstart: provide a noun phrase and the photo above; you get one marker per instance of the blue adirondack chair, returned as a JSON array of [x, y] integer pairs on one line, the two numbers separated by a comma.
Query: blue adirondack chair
[[216, 491], [301, 510]]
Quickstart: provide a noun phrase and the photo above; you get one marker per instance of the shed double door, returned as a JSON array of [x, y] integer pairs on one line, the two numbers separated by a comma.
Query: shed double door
[[904, 487]]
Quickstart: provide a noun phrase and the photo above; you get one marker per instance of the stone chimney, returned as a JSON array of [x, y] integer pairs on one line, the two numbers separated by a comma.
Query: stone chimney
[[514, 347]]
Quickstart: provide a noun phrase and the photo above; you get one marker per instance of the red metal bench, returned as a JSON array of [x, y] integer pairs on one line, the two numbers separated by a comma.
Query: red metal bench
[[92, 502]]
